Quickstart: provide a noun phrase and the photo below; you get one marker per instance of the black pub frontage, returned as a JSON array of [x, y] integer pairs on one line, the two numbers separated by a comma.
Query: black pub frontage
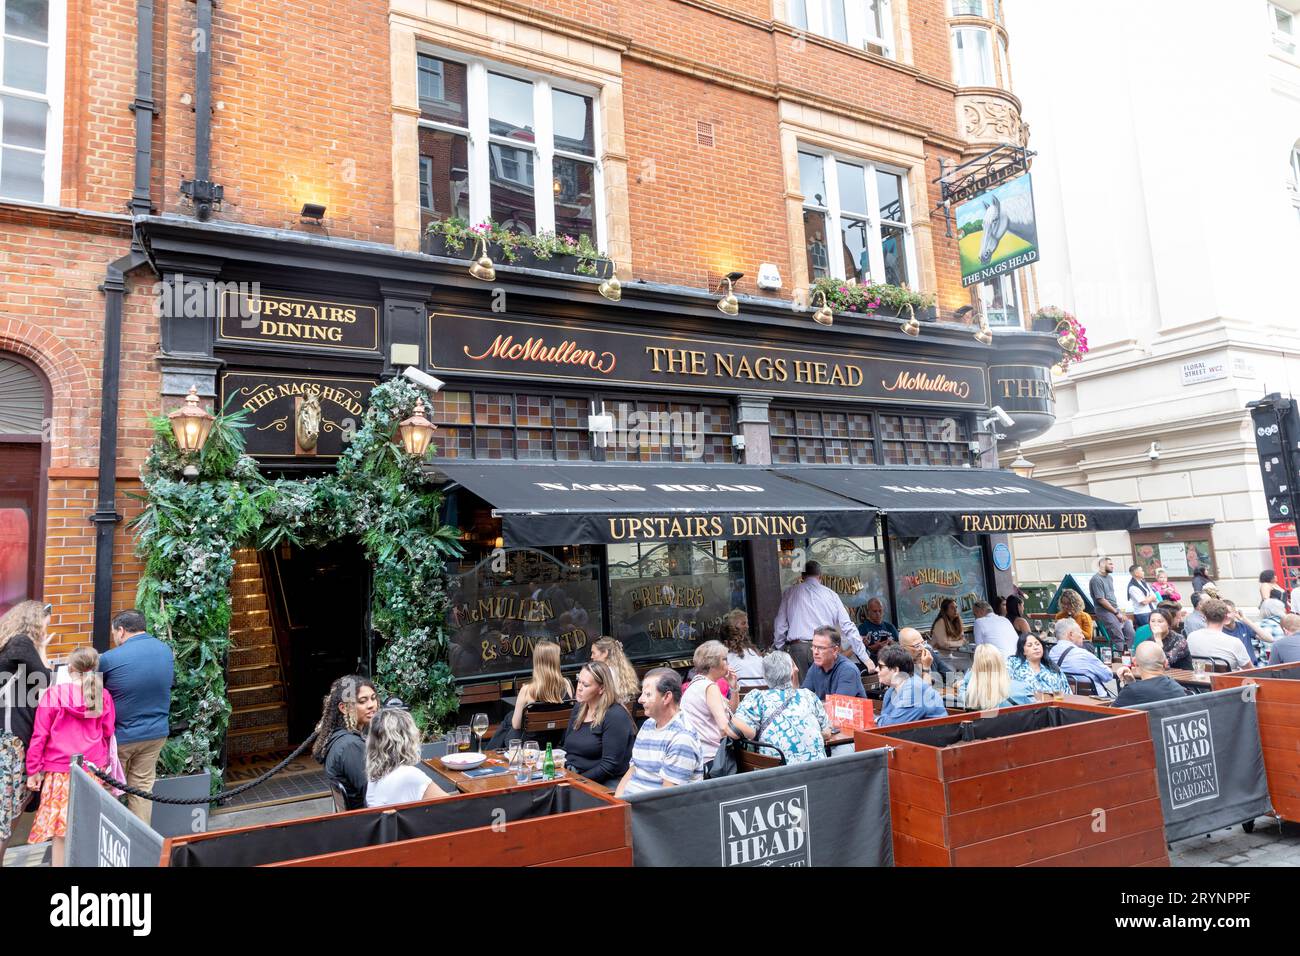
[[637, 468]]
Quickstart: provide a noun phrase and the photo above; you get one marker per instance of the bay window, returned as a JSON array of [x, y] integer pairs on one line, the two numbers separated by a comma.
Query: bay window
[[501, 145], [972, 57], [968, 8], [855, 219], [31, 99], [864, 24]]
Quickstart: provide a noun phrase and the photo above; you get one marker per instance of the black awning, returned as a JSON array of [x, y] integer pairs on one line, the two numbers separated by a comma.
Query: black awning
[[921, 501], [554, 504]]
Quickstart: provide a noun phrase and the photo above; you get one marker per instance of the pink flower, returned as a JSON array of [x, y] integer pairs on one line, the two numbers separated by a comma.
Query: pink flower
[[853, 308], [844, 290]]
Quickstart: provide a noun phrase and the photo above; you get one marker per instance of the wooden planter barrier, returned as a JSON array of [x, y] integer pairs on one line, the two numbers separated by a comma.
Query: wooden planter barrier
[[1277, 702], [1027, 790], [545, 824]]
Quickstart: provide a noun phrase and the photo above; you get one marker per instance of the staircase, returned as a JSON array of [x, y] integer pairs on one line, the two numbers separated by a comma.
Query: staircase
[[259, 719]]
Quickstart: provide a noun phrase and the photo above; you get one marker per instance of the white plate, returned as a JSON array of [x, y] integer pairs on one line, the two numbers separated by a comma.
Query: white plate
[[466, 761]]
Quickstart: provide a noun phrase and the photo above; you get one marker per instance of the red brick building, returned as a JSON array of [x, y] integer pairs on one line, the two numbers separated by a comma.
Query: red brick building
[[688, 138]]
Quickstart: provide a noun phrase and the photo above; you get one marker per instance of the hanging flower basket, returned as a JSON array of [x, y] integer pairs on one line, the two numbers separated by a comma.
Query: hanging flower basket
[[1069, 331], [547, 251]]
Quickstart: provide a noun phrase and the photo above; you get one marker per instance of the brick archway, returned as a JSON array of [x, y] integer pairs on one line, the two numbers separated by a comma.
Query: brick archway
[[69, 387]]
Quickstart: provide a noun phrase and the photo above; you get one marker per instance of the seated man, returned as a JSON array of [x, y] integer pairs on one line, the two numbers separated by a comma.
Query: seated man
[[1212, 641], [1195, 620], [1244, 630], [832, 672], [875, 630], [666, 751], [909, 698], [927, 664], [994, 629], [1286, 649], [1151, 683], [1075, 661]]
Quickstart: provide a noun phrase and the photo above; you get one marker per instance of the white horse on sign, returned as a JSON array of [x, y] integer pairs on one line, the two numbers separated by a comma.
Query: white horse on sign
[[1015, 215]]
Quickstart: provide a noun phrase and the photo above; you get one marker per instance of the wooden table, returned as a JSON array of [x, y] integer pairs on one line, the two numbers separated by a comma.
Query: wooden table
[[1190, 679], [501, 781]]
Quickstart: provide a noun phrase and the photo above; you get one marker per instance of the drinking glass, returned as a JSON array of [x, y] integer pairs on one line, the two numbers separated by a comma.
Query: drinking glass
[[449, 741], [1058, 695], [531, 755], [462, 738], [479, 724], [513, 747], [1198, 667], [1105, 655]]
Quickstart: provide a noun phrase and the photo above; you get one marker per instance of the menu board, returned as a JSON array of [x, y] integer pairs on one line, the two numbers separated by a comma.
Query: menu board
[[504, 604], [664, 598], [1180, 558], [929, 569], [851, 567]]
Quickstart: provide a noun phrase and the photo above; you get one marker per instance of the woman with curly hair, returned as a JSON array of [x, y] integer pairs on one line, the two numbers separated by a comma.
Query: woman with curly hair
[[741, 653], [1071, 604], [24, 667], [340, 743], [393, 762], [610, 651]]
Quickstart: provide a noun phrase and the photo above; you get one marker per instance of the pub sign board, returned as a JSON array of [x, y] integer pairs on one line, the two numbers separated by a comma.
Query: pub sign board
[[277, 318], [997, 231], [297, 416], [479, 345]]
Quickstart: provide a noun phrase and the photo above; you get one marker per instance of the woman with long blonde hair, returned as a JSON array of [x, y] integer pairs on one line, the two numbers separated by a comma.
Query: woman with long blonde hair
[[598, 743], [988, 684], [548, 685], [24, 671], [627, 685]]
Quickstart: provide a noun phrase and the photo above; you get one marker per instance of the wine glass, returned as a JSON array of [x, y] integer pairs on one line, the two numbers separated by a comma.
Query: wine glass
[[531, 754], [479, 724]]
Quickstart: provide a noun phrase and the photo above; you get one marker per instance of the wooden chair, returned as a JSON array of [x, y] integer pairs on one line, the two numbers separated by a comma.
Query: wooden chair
[[1081, 685], [546, 723], [1218, 664], [340, 801], [744, 690], [749, 757]]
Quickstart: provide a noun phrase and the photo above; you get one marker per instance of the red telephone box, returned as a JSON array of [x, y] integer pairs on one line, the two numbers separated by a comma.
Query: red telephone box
[[1286, 555]]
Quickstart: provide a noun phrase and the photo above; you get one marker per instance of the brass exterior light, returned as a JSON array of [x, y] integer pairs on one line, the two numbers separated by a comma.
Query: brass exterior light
[[416, 431], [1022, 466], [824, 315], [911, 327], [985, 335], [191, 424], [482, 267], [728, 303], [610, 287]]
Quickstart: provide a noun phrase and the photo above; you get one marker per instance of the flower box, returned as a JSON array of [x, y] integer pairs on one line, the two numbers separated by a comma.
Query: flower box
[[1053, 784], [1277, 699]]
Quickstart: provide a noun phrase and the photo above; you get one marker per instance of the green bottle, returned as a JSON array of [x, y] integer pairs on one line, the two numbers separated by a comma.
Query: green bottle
[[548, 765]]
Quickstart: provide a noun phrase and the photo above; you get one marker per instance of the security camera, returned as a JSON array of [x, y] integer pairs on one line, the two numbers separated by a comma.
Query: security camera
[[1154, 451], [422, 378], [1005, 420]]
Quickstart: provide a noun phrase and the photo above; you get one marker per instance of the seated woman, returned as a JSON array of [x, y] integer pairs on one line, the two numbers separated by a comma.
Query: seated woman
[[393, 762], [988, 685], [947, 633], [1031, 667], [1016, 615], [598, 743], [627, 685], [791, 719], [1071, 604], [742, 656], [340, 736], [706, 711], [1163, 629], [548, 686]]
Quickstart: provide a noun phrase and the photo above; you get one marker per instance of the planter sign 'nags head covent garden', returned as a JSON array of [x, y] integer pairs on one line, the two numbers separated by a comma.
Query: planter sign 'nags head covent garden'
[[851, 445]]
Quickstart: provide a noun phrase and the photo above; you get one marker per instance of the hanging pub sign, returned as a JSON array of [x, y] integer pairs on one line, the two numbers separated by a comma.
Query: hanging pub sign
[[294, 416], [266, 318], [491, 346], [997, 231]]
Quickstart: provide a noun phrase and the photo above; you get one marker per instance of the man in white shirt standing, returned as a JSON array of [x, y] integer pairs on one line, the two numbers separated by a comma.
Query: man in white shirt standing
[[807, 606], [1210, 641], [994, 629]]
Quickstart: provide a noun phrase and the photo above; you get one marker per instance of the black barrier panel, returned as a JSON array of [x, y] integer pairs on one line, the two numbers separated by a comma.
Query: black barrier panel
[[1005, 724], [293, 841], [1209, 761], [832, 812]]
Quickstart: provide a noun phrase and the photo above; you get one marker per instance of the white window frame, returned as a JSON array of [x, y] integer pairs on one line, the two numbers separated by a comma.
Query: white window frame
[[862, 33], [479, 153], [954, 11], [831, 210], [1010, 295], [55, 47], [1287, 42], [957, 60]]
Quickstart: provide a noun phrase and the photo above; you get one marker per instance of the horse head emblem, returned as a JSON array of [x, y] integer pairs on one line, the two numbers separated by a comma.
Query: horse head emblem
[[307, 427], [995, 227]]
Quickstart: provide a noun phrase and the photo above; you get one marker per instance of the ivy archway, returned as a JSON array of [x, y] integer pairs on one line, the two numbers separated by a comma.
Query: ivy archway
[[190, 528]]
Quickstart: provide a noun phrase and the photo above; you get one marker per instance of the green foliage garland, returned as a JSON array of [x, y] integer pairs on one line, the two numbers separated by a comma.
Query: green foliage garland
[[190, 528]]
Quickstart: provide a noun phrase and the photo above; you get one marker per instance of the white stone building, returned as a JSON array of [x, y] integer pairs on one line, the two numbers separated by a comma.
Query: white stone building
[[1168, 205]]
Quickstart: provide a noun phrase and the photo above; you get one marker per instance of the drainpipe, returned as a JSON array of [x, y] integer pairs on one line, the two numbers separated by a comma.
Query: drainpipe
[[205, 195]]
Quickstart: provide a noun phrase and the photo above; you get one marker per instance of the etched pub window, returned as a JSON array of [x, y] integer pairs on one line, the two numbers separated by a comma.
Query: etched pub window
[[929, 569], [854, 568]]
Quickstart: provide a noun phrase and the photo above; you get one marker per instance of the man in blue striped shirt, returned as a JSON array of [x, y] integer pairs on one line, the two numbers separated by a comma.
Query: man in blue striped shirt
[[666, 752]]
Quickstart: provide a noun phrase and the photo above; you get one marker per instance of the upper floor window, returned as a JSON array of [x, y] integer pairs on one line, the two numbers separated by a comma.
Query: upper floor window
[[968, 8], [515, 149], [1294, 184], [31, 99], [1001, 301], [1284, 31], [856, 220], [865, 24], [972, 57]]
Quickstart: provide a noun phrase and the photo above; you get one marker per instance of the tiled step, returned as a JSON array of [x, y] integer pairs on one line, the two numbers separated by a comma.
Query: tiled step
[[257, 740], [263, 654], [243, 603], [245, 620], [251, 636], [242, 698], [260, 715], [249, 674]]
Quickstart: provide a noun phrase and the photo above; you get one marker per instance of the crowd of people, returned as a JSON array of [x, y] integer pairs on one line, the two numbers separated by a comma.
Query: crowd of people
[[110, 708]]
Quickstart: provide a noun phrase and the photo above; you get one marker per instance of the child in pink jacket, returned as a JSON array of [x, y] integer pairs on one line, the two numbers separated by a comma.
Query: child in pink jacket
[[71, 718]]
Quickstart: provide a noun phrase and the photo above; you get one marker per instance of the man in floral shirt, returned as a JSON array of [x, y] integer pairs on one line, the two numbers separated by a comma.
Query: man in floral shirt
[[789, 719]]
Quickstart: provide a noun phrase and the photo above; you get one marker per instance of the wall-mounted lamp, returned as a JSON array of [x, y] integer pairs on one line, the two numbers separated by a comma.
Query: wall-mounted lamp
[[416, 431], [482, 267], [191, 424], [824, 315], [911, 327], [1022, 466], [728, 303], [610, 287], [985, 335], [312, 212]]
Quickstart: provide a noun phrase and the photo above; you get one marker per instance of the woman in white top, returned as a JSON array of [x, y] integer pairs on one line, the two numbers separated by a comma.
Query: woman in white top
[[392, 762], [707, 713], [741, 655]]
